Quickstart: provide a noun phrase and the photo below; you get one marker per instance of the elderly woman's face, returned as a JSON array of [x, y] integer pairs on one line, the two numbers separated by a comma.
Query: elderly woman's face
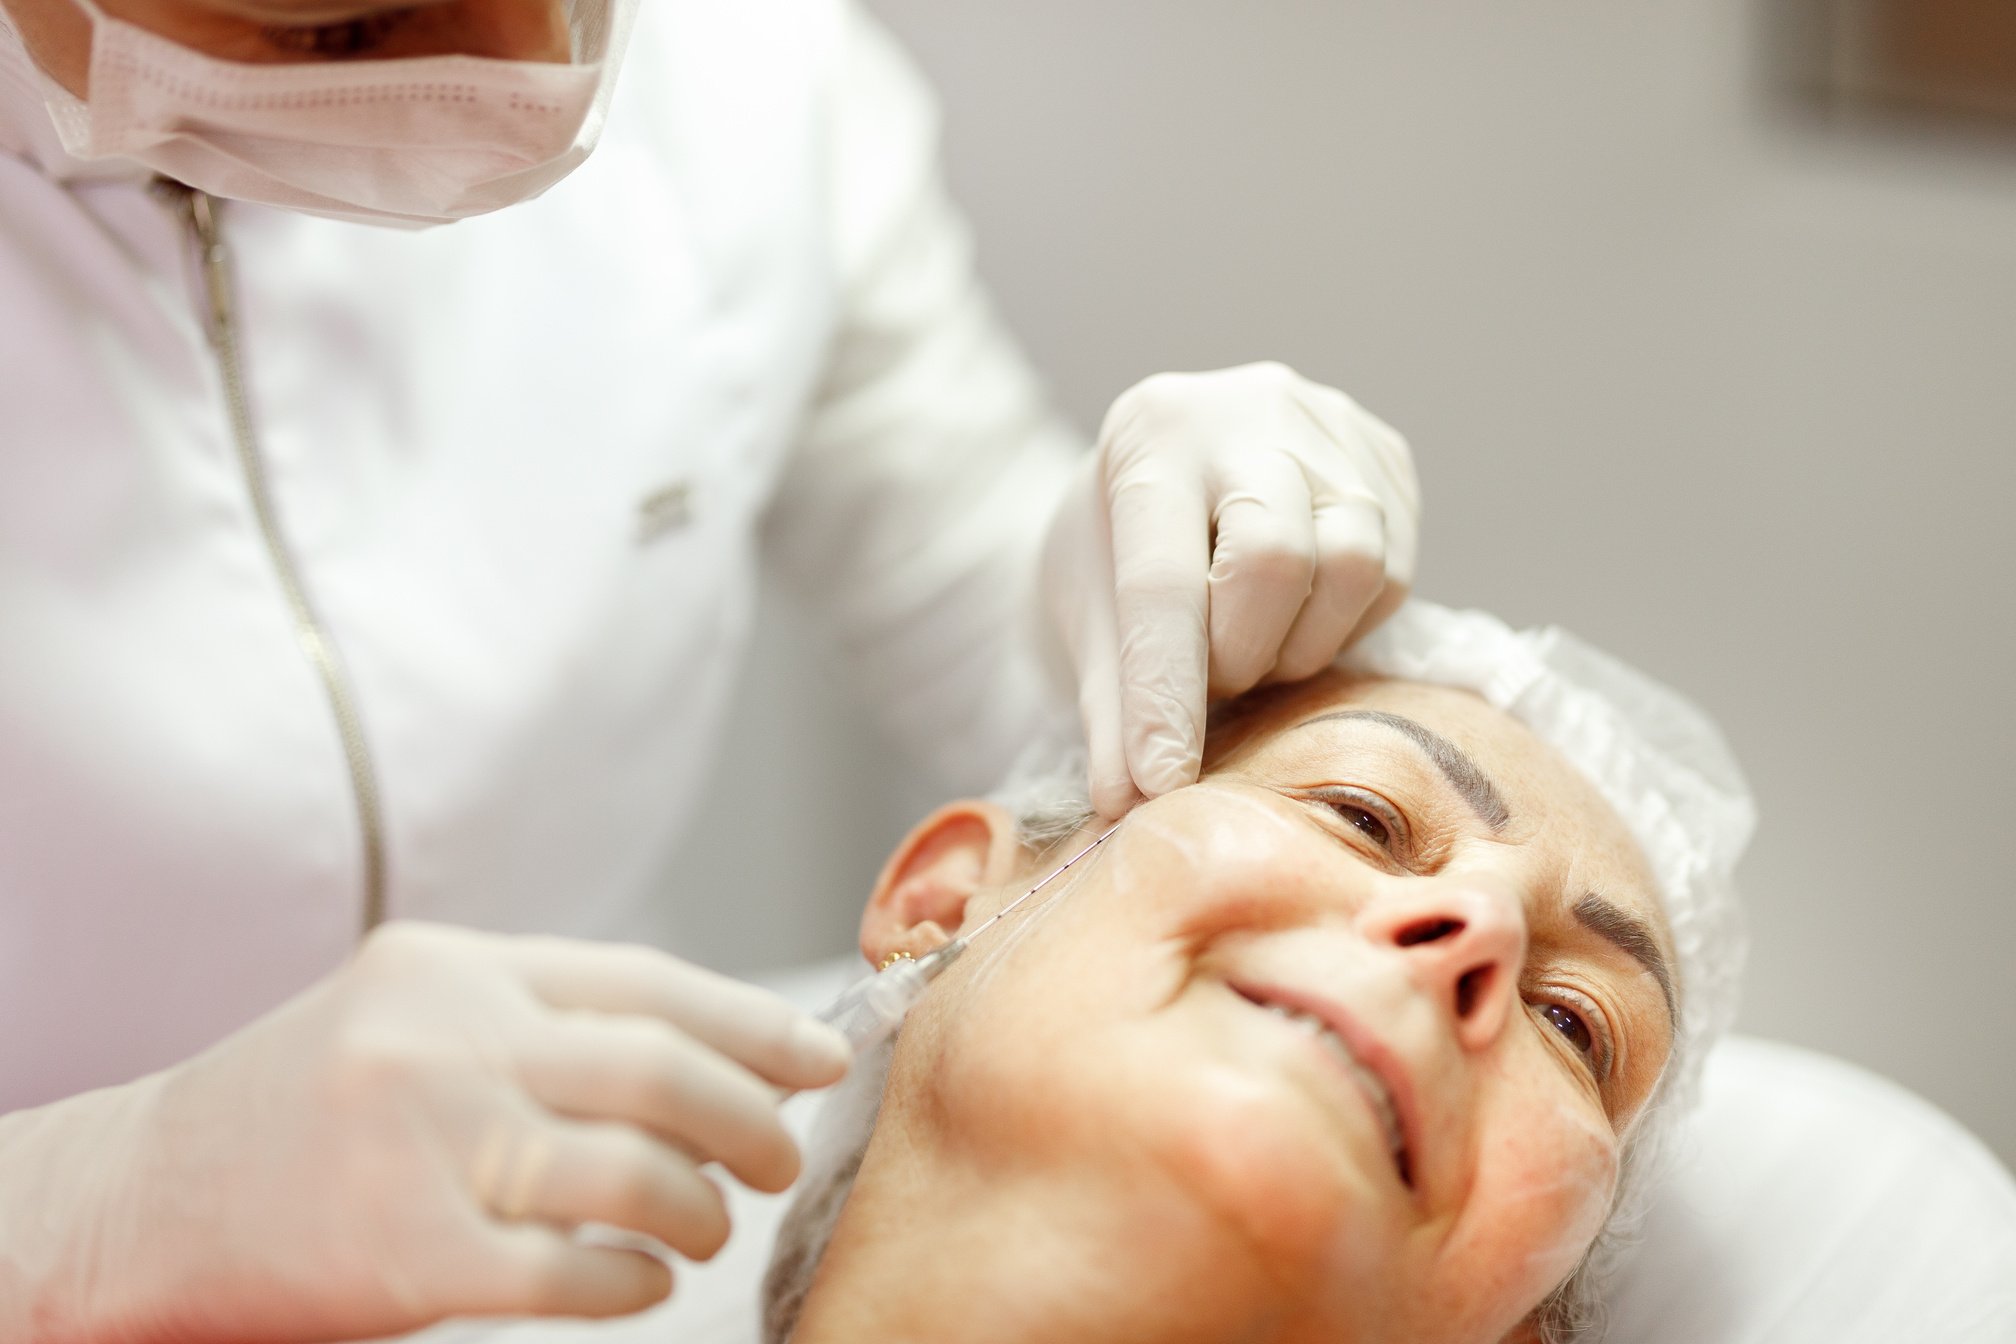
[[1365, 1013]]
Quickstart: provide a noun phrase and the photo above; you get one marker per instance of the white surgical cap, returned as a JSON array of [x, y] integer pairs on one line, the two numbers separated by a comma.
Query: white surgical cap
[[1656, 758]]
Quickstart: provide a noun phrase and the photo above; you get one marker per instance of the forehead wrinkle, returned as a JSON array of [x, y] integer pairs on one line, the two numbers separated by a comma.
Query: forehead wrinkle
[[1633, 937], [1463, 774]]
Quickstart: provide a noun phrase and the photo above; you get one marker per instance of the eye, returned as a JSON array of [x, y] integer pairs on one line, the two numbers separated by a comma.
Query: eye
[[1367, 823], [1368, 814], [1582, 1025], [1570, 1024]]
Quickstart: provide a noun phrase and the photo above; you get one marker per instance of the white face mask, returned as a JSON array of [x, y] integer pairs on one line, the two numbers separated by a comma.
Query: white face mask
[[415, 141]]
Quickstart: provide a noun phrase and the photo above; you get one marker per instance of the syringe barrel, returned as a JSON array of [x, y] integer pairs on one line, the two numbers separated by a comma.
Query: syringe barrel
[[874, 1006], [871, 1009]]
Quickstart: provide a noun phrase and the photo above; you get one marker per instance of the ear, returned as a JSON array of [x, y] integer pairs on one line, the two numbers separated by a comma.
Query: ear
[[1526, 1332], [961, 849]]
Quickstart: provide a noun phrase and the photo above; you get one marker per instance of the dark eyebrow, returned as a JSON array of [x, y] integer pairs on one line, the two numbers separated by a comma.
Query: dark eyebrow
[[1633, 937], [1462, 772]]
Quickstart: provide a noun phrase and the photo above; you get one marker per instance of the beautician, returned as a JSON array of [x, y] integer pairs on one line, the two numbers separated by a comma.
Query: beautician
[[371, 591]]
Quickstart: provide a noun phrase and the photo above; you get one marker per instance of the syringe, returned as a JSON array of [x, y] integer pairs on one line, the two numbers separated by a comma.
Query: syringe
[[871, 1008]]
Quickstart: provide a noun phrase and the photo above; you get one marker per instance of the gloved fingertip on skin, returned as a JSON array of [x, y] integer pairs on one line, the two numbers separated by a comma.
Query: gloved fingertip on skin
[[1166, 769], [1114, 796]]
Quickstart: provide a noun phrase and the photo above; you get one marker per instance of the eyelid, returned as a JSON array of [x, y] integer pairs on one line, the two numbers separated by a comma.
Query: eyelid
[[1592, 1013], [1395, 821]]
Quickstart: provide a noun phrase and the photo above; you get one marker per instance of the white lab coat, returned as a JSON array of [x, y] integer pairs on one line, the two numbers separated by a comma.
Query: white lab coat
[[527, 465]]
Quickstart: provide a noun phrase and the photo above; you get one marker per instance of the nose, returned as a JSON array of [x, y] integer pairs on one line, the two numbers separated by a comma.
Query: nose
[[1464, 945]]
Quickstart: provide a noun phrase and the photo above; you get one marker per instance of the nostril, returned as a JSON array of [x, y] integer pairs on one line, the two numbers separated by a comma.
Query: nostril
[[1428, 931], [1470, 987]]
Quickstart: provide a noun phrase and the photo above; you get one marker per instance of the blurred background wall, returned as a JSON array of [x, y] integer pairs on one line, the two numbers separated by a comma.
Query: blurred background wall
[[1727, 390]]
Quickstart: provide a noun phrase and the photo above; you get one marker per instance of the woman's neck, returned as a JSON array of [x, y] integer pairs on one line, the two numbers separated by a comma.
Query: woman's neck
[[988, 1259]]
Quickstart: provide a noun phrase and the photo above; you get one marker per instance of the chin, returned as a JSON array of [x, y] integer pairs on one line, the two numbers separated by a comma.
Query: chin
[[1265, 1167]]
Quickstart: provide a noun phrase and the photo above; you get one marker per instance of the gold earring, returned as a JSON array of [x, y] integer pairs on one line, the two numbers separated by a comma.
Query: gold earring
[[893, 958]]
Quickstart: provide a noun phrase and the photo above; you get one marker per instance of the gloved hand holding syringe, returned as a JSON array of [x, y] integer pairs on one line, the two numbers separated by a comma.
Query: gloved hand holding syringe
[[431, 1128], [426, 1132]]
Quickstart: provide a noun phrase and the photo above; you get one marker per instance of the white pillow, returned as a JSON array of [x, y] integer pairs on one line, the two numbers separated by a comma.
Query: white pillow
[[1816, 1202]]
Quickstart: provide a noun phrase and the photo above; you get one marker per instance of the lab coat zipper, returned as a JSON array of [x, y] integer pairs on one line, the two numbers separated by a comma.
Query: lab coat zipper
[[199, 212]]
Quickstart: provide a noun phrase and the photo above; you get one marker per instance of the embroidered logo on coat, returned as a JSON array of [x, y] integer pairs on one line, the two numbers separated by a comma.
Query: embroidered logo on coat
[[666, 509]]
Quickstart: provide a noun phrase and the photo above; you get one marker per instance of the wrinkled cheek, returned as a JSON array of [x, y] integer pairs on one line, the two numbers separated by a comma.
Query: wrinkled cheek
[[1263, 1170], [1564, 1190], [1257, 1176], [1534, 1205], [1318, 1236], [1211, 859], [1024, 1071], [1210, 828]]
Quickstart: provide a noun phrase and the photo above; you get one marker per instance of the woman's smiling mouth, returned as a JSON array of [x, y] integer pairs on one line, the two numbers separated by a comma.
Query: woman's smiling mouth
[[1324, 1023]]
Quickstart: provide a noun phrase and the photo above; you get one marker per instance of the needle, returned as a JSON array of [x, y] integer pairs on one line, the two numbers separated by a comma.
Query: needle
[[1011, 907]]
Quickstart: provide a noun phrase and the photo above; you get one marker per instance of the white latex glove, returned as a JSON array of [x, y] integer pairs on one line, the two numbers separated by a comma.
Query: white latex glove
[[410, 1139], [1232, 527]]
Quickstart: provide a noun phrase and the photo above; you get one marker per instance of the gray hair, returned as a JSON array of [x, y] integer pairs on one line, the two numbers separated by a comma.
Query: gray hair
[[1658, 761]]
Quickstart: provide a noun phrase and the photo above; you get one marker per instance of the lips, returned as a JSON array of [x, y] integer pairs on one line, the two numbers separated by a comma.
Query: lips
[[1371, 1065]]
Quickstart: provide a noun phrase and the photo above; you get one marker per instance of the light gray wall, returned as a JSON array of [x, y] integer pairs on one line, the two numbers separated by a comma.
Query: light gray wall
[[1732, 396]]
